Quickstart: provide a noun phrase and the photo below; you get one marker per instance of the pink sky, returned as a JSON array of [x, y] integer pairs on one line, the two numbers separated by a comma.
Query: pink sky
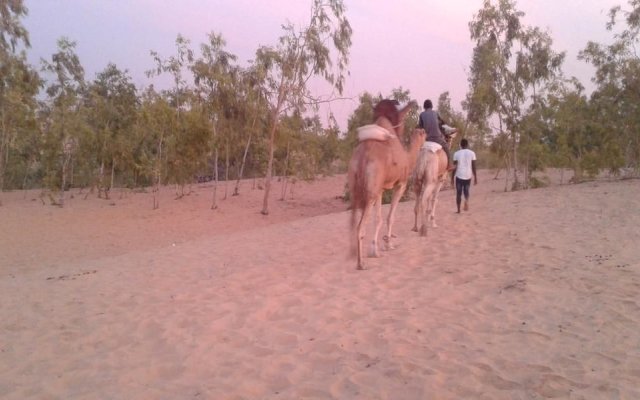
[[426, 43]]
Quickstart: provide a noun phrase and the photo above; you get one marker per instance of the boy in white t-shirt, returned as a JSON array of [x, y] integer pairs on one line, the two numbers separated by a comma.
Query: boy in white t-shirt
[[465, 162]]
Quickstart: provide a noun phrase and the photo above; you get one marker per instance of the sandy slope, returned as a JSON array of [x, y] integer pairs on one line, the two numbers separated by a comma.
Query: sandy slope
[[529, 295]]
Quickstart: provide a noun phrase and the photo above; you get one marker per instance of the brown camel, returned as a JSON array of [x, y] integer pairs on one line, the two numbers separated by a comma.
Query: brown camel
[[378, 163], [429, 176]]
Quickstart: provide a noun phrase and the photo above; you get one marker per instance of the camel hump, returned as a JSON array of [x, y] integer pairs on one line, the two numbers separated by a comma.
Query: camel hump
[[432, 146], [374, 132]]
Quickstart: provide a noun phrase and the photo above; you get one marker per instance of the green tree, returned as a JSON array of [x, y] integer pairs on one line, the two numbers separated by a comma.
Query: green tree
[[510, 65], [215, 74], [183, 146], [19, 85], [174, 66], [253, 116], [66, 121], [451, 117], [580, 137], [155, 123], [362, 115], [112, 100], [618, 85], [12, 32], [330, 148], [300, 55]]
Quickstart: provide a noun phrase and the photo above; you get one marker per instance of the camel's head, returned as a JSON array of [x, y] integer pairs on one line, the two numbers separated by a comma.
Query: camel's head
[[388, 109]]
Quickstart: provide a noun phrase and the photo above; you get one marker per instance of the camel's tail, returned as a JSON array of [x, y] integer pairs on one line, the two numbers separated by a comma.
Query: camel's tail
[[358, 186], [357, 192], [353, 248], [420, 171]]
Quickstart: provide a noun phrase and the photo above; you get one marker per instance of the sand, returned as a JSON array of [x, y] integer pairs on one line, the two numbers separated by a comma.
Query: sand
[[528, 295]]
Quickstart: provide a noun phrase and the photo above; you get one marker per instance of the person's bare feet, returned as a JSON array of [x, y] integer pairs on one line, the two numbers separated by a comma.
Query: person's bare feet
[[466, 206]]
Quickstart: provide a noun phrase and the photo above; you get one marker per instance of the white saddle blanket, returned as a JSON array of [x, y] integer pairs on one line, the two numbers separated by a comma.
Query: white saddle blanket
[[374, 132], [432, 146]]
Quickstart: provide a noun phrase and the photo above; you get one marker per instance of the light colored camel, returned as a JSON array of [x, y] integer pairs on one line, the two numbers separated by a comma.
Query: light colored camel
[[429, 176], [377, 165]]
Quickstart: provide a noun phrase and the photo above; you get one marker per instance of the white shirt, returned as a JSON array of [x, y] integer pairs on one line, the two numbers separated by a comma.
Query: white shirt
[[464, 158]]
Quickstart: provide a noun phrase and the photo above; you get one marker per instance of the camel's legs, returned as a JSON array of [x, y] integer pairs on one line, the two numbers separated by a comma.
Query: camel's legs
[[416, 209], [361, 231], [378, 221], [426, 205], [419, 210], [434, 203], [416, 212], [398, 191]]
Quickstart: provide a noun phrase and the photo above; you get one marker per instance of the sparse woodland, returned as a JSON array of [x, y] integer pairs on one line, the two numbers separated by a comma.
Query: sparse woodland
[[222, 121]]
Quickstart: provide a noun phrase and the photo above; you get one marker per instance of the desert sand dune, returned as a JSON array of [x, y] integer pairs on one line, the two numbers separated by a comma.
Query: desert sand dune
[[529, 295]]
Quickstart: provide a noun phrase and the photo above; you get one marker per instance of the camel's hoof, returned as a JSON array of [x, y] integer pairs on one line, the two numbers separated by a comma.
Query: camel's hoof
[[414, 229], [423, 231], [434, 225], [374, 253], [360, 268]]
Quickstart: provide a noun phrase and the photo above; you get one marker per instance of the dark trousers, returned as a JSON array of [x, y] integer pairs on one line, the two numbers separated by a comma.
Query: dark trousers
[[462, 187]]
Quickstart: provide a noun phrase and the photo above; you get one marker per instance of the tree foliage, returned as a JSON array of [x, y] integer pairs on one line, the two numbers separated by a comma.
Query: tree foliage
[[19, 86], [300, 55], [617, 97], [221, 120], [511, 63], [66, 124]]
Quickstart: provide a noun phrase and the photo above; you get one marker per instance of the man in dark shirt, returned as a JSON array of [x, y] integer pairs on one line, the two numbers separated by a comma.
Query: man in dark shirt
[[430, 122]]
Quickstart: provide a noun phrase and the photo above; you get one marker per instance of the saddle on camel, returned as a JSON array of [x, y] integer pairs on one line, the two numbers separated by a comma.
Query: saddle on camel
[[380, 162]]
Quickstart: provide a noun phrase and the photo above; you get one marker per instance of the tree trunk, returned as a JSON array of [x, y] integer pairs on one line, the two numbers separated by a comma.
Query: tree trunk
[[3, 135], [3, 145], [267, 178], [113, 172], [244, 160], [65, 162], [577, 172], [527, 174], [514, 152], [226, 170], [214, 201], [71, 173], [507, 167], [101, 179], [285, 173], [495, 178], [26, 174], [158, 175], [516, 183]]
